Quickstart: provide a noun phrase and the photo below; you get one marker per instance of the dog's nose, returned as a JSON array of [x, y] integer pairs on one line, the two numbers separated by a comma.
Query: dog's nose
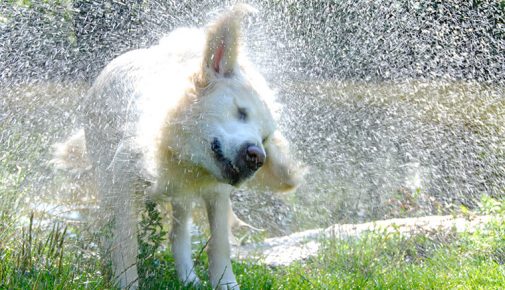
[[254, 157]]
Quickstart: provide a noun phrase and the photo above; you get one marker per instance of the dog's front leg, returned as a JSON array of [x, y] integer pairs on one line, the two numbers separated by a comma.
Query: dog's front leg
[[181, 242], [220, 271]]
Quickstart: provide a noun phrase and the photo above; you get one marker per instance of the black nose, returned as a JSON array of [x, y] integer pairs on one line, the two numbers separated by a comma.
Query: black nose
[[254, 157]]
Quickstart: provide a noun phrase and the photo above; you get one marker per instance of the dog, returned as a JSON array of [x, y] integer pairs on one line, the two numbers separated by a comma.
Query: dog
[[189, 118]]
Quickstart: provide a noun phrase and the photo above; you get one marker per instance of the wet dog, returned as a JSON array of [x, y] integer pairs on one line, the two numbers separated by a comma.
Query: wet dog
[[195, 119]]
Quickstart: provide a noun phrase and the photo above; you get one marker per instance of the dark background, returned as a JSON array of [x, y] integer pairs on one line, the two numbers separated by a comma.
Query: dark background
[[364, 40]]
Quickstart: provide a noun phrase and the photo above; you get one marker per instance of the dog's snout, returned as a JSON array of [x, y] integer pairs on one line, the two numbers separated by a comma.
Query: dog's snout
[[249, 158], [254, 157]]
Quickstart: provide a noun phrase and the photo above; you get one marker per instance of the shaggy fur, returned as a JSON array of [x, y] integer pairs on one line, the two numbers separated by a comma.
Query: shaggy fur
[[193, 118]]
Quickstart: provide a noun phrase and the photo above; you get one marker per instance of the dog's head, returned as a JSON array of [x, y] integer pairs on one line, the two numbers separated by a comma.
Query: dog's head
[[232, 108], [234, 104], [228, 125], [237, 128]]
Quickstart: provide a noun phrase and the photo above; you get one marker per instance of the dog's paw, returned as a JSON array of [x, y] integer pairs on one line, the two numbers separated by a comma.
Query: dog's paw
[[232, 285], [192, 280]]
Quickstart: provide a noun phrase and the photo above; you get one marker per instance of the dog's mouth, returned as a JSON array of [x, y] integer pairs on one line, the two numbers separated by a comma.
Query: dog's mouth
[[236, 172]]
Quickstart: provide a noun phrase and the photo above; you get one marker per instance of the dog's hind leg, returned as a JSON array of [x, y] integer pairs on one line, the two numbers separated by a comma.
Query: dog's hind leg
[[181, 241], [120, 239], [220, 271], [235, 223], [116, 184], [125, 245]]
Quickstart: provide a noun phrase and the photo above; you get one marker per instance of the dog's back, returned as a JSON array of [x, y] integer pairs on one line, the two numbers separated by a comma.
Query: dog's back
[[134, 93]]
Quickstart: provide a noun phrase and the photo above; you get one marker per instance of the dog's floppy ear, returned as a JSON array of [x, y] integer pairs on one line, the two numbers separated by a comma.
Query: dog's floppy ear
[[222, 45], [279, 173]]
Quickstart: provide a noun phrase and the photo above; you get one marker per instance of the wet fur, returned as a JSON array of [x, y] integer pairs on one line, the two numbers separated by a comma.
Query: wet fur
[[171, 115]]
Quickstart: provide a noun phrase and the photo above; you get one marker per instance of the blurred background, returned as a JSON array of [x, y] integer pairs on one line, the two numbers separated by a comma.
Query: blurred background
[[397, 108]]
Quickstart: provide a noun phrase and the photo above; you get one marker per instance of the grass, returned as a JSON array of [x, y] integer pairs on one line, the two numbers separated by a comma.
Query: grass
[[41, 258], [394, 262], [58, 259], [391, 261]]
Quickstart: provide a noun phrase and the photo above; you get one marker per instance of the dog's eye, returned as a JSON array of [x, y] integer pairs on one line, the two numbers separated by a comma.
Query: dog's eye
[[242, 114], [264, 140]]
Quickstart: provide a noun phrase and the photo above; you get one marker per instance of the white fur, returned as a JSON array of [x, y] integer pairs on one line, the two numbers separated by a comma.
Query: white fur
[[152, 115]]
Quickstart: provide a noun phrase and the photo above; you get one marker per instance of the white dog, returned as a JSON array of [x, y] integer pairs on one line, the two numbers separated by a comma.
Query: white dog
[[192, 117]]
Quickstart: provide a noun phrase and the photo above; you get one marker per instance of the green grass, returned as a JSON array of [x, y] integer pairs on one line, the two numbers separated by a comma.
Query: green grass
[[52, 259], [45, 258], [393, 262], [390, 261]]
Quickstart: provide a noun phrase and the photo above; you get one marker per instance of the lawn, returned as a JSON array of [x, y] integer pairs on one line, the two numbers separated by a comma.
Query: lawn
[[59, 257]]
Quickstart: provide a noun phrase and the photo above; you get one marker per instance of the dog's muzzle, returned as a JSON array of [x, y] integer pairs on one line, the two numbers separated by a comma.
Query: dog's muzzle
[[248, 160]]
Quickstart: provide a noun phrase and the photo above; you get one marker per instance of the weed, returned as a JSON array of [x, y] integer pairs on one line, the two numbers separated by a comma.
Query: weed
[[150, 239]]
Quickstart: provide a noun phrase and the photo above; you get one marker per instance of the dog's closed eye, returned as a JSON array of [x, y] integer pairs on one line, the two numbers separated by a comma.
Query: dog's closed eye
[[242, 114]]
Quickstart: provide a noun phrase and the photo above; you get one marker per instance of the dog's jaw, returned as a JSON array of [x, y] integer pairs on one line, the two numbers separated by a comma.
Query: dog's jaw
[[230, 173]]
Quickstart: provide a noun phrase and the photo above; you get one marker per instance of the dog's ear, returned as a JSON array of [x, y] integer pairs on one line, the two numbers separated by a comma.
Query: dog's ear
[[222, 45], [280, 173]]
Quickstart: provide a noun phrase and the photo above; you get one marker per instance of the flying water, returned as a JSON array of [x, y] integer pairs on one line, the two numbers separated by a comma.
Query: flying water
[[397, 108]]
